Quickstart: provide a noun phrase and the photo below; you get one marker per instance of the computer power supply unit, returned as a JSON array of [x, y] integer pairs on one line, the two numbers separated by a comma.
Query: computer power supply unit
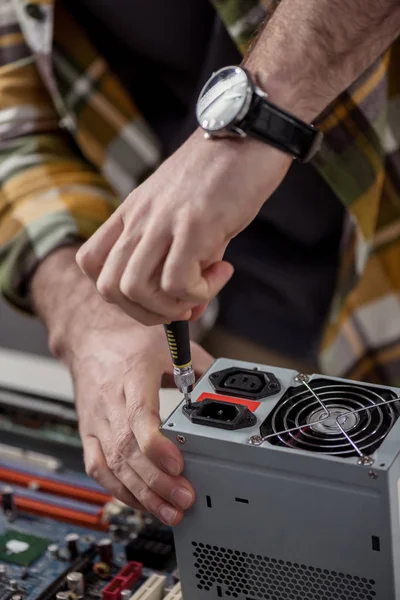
[[297, 480]]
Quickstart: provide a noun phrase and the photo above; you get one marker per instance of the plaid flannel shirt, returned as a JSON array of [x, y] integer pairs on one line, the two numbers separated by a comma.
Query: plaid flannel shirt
[[73, 144]]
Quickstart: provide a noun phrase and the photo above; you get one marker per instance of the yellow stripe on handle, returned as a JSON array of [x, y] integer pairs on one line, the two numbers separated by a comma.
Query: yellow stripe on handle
[[179, 343]]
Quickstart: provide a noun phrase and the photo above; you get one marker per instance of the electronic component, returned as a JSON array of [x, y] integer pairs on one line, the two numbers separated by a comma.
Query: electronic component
[[72, 544], [260, 527], [102, 570], [126, 595], [153, 546], [105, 548], [152, 589], [62, 596], [175, 593], [76, 583], [20, 548], [8, 503], [154, 555], [125, 579], [54, 551]]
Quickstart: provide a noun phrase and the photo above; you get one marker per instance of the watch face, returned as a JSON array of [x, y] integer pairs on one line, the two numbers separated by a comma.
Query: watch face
[[223, 99]]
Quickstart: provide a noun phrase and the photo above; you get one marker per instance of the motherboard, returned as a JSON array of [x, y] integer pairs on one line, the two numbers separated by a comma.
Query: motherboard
[[62, 537]]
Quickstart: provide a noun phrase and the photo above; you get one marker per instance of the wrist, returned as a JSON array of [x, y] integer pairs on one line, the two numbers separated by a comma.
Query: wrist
[[66, 301]]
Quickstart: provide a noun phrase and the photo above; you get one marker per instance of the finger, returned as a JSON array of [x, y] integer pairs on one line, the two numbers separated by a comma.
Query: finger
[[96, 468], [140, 281], [176, 490], [93, 254], [143, 414], [185, 279], [108, 282], [147, 498]]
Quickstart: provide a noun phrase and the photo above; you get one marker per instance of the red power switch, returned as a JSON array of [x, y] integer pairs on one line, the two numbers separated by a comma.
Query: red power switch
[[126, 578]]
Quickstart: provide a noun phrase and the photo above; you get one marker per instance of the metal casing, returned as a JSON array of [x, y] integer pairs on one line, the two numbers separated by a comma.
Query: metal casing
[[274, 523]]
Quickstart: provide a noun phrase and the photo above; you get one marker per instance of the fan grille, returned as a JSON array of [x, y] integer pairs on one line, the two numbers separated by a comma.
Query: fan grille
[[255, 577], [300, 419]]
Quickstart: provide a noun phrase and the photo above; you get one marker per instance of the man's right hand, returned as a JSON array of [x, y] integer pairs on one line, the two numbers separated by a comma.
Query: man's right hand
[[117, 367]]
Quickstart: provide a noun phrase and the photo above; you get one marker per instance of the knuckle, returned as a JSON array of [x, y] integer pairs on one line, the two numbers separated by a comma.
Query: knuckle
[[84, 259], [124, 444], [105, 288], [145, 496], [147, 446], [135, 410], [153, 479], [93, 466], [114, 461], [129, 288]]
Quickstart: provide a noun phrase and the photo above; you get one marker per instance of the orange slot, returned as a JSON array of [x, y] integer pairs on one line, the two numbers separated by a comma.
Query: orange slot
[[50, 511], [54, 487]]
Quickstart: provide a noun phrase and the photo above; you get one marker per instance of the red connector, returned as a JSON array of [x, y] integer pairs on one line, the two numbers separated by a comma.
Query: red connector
[[126, 578]]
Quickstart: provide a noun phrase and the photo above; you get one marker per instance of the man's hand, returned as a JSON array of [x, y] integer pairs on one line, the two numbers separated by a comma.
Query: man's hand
[[160, 255], [117, 367]]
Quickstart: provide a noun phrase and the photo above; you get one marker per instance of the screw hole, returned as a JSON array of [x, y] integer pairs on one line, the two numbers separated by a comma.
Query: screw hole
[[171, 424]]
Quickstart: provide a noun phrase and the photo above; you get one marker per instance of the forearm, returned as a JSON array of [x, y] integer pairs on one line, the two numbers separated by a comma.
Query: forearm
[[67, 303], [309, 52]]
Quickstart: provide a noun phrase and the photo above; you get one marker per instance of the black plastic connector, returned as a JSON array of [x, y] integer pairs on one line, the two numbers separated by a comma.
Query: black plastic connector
[[245, 383], [223, 415]]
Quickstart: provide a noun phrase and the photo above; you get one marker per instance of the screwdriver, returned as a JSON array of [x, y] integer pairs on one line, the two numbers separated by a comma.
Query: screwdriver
[[179, 346]]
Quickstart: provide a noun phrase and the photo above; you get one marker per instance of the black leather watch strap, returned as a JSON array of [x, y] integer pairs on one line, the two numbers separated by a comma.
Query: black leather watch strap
[[273, 125]]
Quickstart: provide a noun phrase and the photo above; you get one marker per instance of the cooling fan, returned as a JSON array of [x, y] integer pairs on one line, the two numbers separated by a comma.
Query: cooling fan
[[332, 418]]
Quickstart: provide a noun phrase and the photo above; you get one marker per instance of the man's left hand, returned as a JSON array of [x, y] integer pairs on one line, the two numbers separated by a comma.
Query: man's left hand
[[160, 256]]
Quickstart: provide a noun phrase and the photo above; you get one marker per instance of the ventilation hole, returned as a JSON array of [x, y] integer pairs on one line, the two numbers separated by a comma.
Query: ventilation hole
[[242, 500], [237, 574], [208, 498], [376, 543]]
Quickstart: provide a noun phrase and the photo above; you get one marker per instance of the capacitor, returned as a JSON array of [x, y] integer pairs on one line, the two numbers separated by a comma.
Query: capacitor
[[62, 596], [8, 502], [126, 595], [16, 597], [105, 548], [76, 583], [72, 542], [53, 550]]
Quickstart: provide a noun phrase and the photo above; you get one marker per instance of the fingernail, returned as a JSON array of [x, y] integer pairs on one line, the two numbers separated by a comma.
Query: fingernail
[[182, 497], [167, 514], [172, 466]]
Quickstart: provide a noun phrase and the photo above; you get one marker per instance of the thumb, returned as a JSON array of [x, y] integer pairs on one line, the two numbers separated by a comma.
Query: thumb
[[143, 412]]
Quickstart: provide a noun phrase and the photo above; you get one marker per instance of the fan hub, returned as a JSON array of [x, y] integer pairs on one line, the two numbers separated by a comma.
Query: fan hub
[[328, 425]]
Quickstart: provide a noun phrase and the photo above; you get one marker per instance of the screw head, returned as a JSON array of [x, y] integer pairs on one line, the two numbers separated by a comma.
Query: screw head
[[373, 475], [256, 440], [365, 461], [181, 439], [302, 378]]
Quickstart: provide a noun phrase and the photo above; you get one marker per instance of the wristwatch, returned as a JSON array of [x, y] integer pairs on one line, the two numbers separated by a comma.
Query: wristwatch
[[231, 104]]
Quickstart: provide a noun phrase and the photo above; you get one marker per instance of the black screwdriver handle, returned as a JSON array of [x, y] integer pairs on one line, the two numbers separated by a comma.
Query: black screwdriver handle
[[179, 343]]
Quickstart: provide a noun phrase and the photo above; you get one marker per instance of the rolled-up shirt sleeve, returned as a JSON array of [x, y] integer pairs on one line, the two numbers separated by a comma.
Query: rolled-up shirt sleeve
[[50, 196]]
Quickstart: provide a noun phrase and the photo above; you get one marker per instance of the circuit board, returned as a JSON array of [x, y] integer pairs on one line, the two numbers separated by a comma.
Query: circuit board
[[112, 546]]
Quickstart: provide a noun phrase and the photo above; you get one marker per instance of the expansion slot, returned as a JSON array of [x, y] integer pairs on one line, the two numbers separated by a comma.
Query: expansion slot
[[175, 593], [49, 511], [47, 484], [152, 589]]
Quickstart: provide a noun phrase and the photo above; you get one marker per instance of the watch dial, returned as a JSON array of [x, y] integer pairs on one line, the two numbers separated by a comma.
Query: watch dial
[[222, 98]]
